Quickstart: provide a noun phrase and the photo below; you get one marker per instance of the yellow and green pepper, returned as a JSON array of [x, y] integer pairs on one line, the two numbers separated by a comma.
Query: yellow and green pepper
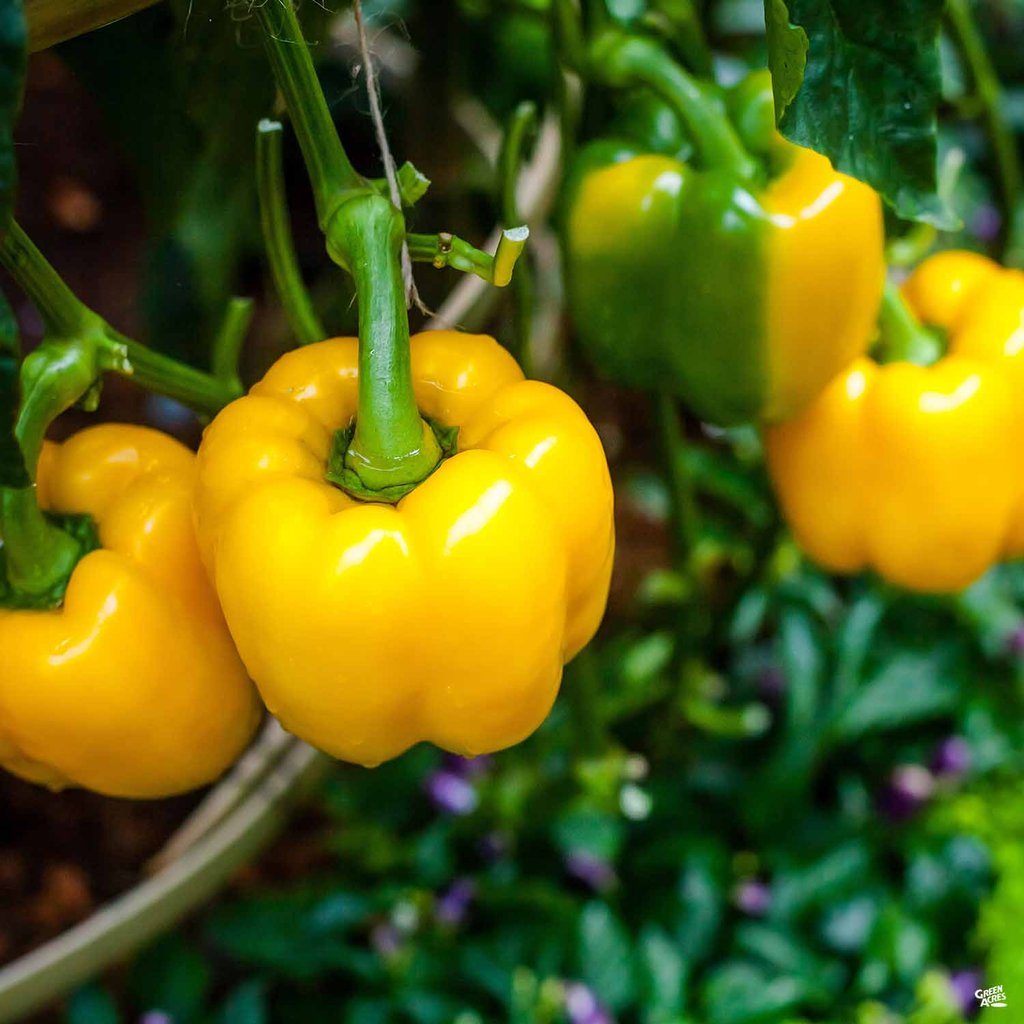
[[741, 286]]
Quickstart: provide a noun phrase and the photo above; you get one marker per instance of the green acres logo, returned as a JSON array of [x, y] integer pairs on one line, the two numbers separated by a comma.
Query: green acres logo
[[993, 996]]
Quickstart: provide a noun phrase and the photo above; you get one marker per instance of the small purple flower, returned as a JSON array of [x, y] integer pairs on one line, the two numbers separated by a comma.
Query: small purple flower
[[595, 873], [986, 222], [385, 939], [468, 767], [156, 1017], [1015, 642], [582, 1006], [771, 683], [910, 787], [952, 758], [452, 793], [452, 906], [753, 897], [964, 984], [493, 847]]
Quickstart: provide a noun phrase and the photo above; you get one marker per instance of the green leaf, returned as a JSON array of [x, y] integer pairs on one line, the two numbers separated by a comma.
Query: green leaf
[[92, 1005], [13, 50], [12, 464], [910, 687], [870, 91], [172, 977], [246, 1004], [662, 976], [606, 956], [787, 54]]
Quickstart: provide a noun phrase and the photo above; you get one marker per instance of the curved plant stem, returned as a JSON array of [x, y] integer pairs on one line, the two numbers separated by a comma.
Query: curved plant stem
[[626, 61], [447, 250], [227, 345], [277, 236], [65, 316], [520, 132], [972, 49], [155, 905]]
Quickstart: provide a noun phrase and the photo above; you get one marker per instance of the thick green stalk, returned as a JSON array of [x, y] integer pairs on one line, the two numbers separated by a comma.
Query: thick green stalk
[[330, 171], [626, 61], [392, 448]]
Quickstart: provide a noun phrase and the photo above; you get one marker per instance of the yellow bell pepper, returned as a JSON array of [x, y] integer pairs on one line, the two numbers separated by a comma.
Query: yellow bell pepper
[[132, 687], [448, 617], [913, 471]]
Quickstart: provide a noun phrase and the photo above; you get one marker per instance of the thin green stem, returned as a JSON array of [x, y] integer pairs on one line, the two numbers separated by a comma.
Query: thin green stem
[[625, 61], [975, 56], [227, 345], [903, 336], [330, 172], [62, 312], [392, 449], [447, 250], [277, 236], [520, 133], [683, 21], [203, 392], [684, 516]]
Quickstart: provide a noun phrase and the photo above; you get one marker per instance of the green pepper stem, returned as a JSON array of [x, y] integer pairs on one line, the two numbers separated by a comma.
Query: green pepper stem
[[330, 171], [277, 236], [392, 447], [625, 61], [227, 345], [446, 250], [39, 556], [903, 336], [65, 316], [986, 83]]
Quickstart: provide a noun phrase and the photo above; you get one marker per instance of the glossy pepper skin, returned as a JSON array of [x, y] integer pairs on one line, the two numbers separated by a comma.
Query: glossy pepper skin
[[447, 617], [914, 471], [743, 299], [132, 687]]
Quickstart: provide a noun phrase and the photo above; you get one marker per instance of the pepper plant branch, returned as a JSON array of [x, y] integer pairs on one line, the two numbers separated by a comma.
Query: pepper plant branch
[[975, 56], [520, 133], [625, 61], [447, 250], [277, 236], [98, 345]]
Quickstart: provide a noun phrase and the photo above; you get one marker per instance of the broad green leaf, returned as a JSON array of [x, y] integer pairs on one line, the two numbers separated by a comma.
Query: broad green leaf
[[13, 44], [869, 95], [606, 956], [787, 54]]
